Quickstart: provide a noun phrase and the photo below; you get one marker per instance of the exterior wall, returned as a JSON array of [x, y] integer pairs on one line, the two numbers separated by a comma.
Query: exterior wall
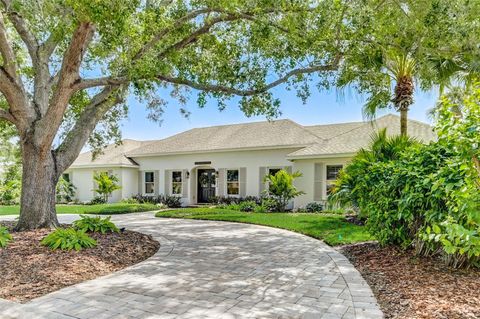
[[312, 182], [250, 160], [82, 179], [129, 182], [308, 180]]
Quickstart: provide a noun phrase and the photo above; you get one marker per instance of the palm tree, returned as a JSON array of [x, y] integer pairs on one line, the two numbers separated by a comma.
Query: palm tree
[[401, 67]]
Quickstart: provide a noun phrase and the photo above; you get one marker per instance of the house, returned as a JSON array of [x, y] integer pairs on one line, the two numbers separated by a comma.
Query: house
[[232, 160]]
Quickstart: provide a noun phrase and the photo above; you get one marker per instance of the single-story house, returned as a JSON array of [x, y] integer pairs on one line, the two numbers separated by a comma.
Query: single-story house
[[232, 160]]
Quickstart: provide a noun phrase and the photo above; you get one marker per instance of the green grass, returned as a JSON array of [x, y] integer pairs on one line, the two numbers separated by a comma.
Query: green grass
[[103, 209], [331, 228]]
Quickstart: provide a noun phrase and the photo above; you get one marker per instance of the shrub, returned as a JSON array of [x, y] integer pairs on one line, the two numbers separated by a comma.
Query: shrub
[[425, 196], [5, 237], [106, 184], [270, 205], [95, 224], [172, 201], [247, 206], [97, 200], [68, 239], [65, 191], [132, 200], [281, 188], [168, 200], [314, 207], [260, 209]]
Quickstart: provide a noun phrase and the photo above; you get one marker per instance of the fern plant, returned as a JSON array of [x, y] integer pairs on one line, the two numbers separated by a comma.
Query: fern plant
[[68, 239], [5, 237], [95, 224]]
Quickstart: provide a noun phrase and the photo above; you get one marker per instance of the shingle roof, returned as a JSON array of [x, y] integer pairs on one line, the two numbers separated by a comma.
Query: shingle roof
[[355, 137], [311, 141], [113, 155], [273, 134]]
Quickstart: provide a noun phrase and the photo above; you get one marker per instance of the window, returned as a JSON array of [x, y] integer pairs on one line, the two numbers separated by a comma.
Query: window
[[177, 183], [233, 185], [332, 175], [149, 183], [273, 171], [332, 172]]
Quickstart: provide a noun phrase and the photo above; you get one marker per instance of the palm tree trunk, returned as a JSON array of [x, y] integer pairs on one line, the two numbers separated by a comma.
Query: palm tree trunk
[[403, 122]]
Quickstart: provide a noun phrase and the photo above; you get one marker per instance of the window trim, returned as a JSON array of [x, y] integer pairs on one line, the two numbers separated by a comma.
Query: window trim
[[145, 183], [226, 182], [172, 181]]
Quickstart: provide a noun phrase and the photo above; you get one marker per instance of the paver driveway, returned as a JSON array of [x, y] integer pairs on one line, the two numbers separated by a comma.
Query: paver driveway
[[207, 269]]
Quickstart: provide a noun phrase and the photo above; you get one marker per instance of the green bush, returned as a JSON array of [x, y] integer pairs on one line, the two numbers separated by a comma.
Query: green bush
[[95, 224], [97, 200], [425, 196], [314, 207], [281, 188], [247, 206], [68, 239], [5, 237]]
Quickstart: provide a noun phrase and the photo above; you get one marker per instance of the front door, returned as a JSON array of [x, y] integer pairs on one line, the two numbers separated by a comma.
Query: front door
[[206, 185]]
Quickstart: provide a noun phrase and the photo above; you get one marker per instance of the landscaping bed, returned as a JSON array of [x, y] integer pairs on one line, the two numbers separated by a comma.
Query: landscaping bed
[[29, 270], [410, 287]]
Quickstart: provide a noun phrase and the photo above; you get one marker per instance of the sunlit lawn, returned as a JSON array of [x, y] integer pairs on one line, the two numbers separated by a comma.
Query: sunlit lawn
[[331, 228], [117, 208]]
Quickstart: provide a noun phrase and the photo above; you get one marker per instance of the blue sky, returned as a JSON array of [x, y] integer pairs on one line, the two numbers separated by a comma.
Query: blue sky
[[321, 108]]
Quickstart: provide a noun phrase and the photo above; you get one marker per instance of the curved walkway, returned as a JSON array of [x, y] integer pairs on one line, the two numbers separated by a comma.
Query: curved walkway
[[208, 269]]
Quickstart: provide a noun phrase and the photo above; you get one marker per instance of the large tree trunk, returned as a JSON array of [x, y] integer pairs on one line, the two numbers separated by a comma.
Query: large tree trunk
[[39, 180], [403, 122]]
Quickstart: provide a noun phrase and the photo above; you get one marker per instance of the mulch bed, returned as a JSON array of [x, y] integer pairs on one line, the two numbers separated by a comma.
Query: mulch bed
[[410, 287], [29, 270]]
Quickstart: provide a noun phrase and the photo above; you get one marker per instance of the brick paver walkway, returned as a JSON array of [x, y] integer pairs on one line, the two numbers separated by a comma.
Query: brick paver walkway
[[207, 269]]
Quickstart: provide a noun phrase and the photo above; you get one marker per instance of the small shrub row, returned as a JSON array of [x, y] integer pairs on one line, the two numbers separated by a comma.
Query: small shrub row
[[167, 200], [228, 200]]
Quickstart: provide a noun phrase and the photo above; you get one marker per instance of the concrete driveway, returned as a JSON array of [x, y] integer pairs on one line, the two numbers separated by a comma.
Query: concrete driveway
[[208, 269]]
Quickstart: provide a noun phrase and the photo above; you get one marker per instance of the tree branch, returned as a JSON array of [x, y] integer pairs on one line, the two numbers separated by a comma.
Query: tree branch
[[69, 74], [248, 92], [5, 115], [9, 60], [76, 138], [21, 26], [96, 82]]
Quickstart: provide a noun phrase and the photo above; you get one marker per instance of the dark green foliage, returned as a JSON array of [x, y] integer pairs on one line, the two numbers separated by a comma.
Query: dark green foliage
[[68, 239], [5, 237], [65, 191], [314, 207], [95, 224], [168, 200], [247, 206], [97, 200], [421, 195], [172, 201], [11, 184]]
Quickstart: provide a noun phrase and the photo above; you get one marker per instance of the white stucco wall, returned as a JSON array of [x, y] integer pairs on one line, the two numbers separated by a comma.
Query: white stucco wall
[[82, 179], [251, 160], [307, 181]]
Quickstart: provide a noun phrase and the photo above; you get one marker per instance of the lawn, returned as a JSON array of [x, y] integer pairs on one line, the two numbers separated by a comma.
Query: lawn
[[331, 228], [117, 208]]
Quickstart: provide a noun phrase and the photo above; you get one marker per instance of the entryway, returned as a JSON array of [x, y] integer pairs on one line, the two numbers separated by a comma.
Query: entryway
[[206, 185]]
